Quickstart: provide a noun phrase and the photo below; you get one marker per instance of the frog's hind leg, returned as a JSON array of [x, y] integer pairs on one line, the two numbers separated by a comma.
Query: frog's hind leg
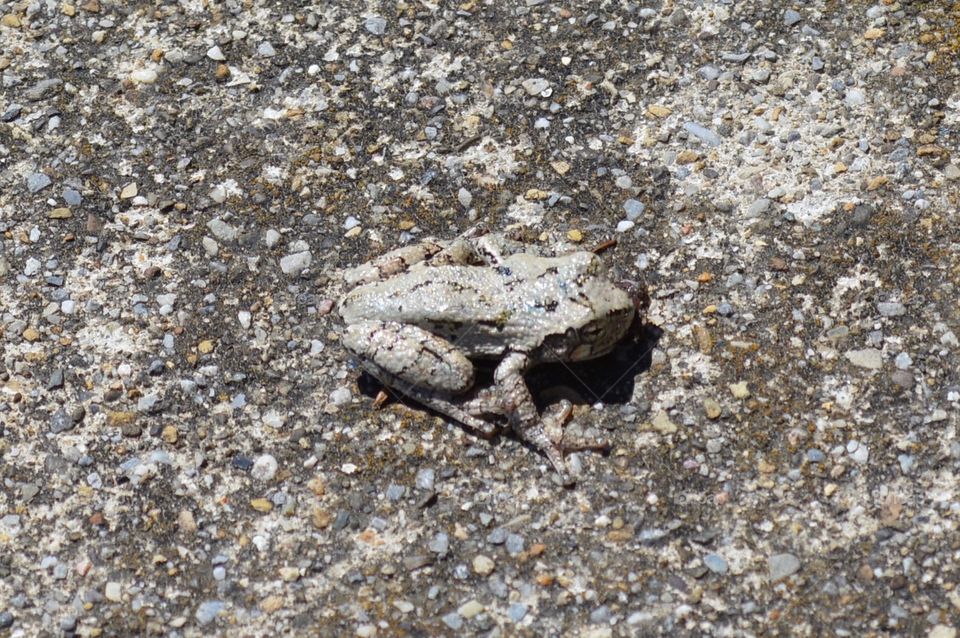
[[455, 412], [517, 404]]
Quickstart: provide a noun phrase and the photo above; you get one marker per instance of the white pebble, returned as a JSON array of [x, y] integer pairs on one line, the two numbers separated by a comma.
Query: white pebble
[[264, 468], [625, 225], [214, 53], [144, 76], [271, 238], [244, 318]]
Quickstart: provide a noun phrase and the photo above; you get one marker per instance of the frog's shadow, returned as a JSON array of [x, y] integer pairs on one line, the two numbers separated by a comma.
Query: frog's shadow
[[609, 379]]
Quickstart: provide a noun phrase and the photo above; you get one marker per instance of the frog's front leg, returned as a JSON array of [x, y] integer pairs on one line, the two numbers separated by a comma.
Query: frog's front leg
[[417, 364], [517, 404]]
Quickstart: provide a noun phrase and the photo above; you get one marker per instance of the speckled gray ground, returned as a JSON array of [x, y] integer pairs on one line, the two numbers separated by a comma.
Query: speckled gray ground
[[185, 447]]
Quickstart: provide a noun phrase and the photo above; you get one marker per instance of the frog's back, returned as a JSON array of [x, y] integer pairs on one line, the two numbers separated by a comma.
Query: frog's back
[[440, 299]]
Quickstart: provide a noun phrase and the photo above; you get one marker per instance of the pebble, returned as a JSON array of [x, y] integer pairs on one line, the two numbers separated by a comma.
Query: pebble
[[453, 620], [341, 396], [36, 182], [264, 468], [625, 225], [516, 612], [715, 563], [780, 566], [702, 133], [758, 207], [61, 422], [535, 86], [868, 358], [859, 452], [439, 544], [464, 197], [6, 619], [470, 609], [903, 361], [113, 592], [514, 544], [425, 479], [395, 492], [208, 611], [296, 263], [266, 50], [600, 615], [633, 208], [214, 53], [791, 17], [483, 565], [271, 238], [144, 76], [222, 230], [377, 25], [891, 309]]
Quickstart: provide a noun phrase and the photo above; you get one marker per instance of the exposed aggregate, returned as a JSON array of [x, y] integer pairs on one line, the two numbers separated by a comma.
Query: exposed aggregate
[[187, 450]]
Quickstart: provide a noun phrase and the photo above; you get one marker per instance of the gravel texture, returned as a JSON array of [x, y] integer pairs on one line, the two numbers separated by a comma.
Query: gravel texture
[[187, 450]]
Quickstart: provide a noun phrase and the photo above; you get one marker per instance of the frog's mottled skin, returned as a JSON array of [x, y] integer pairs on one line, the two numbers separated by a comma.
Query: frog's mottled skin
[[420, 314]]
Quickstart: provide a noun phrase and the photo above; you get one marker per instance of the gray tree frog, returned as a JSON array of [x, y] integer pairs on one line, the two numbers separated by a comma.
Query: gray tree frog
[[419, 316]]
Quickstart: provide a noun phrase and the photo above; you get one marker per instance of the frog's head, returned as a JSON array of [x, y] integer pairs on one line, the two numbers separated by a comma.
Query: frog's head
[[596, 315]]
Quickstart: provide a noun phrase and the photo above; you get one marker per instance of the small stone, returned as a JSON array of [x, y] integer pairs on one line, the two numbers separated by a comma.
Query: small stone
[[296, 263], [712, 408], [377, 25], [265, 49], [264, 468], [113, 592], [205, 346], [453, 620], [129, 191], [873, 34], [625, 225], [208, 611], [6, 619], [170, 434], [222, 230], [716, 563], [214, 53], [869, 358], [395, 492], [10, 20], [37, 182], [516, 612], [942, 631], [600, 615], [60, 213], [859, 452], [470, 609], [903, 361], [271, 238], [56, 380], [702, 133], [781, 566], [31, 334], [575, 235], [61, 422], [951, 172], [464, 197], [791, 17], [891, 309], [244, 317], [535, 86], [483, 565], [659, 111], [440, 544], [144, 76], [261, 505], [425, 479], [633, 208], [758, 207], [185, 522], [661, 423], [740, 390]]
